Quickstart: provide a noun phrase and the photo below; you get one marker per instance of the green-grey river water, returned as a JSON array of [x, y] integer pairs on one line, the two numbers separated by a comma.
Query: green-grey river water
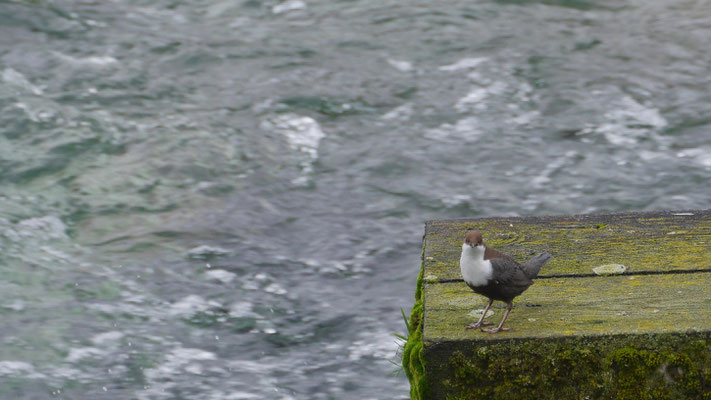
[[224, 199]]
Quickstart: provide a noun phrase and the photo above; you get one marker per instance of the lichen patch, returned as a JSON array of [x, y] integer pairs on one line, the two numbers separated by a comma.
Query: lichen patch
[[610, 269]]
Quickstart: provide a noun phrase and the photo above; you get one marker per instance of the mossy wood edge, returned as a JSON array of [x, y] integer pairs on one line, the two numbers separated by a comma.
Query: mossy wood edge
[[643, 334]]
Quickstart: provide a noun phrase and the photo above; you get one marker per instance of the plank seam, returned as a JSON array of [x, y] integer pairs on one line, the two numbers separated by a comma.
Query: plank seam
[[592, 275]]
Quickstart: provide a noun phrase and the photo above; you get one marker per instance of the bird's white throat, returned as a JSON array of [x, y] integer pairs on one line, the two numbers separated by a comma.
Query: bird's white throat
[[475, 270]]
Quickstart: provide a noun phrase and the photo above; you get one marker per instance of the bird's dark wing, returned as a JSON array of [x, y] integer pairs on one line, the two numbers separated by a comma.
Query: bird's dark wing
[[509, 273]]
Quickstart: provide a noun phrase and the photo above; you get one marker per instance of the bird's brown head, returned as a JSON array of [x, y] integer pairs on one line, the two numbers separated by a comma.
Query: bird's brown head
[[474, 238]]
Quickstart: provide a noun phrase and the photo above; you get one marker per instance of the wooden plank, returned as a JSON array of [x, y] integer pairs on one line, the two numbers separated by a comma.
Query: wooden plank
[[643, 334], [655, 241], [559, 307]]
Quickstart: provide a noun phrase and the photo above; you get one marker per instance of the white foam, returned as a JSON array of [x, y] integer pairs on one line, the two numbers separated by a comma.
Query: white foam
[[455, 200], [239, 396], [20, 369], [195, 369], [206, 251], [275, 288], [15, 305], [179, 361], [647, 155], [701, 156], [98, 61], [303, 133], [526, 118], [15, 367], [289, 5], [221, 275], [380, 344], [60, 255], [179, 358], [545, 175], [402, 66], [191, 304], [242, 309], [251, 366], [629, 121], [79, 353], [107, 338], [403, 112], [92, 22], [477, 95], [19, 81], [466, 63], [466, 129], [47, 227]]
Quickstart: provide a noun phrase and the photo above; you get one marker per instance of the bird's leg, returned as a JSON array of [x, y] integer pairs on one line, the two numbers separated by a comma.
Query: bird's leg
[[480, 323], [499, 328]]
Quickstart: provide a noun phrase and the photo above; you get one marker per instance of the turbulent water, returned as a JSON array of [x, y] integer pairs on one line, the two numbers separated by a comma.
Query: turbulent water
[[224, 199]]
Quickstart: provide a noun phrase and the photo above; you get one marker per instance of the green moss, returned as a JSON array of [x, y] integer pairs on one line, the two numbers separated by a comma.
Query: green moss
[[413, 350], [634, 372], [618, 367]]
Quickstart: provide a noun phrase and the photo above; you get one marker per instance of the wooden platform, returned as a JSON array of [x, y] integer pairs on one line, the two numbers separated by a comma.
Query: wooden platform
[[645, 333]]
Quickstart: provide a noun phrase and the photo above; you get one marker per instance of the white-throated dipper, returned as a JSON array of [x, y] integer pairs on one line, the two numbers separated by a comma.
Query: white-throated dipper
[[495, 275]]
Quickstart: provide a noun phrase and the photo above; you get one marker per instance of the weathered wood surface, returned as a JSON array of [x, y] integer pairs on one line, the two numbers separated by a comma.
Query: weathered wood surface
[[578, 306], [652, 242], [660, 307]]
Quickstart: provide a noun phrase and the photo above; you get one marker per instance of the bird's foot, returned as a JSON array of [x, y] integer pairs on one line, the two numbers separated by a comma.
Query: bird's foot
[[478, 325], [495, 330]]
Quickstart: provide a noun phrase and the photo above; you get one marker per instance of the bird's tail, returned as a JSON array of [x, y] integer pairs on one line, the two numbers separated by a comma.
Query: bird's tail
[[532, 266]]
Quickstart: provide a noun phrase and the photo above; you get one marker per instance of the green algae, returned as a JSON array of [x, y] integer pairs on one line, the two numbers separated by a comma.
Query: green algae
[[413, 351], [669, 366]]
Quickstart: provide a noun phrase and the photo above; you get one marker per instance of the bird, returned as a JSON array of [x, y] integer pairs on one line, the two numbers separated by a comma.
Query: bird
[[495, 275]]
